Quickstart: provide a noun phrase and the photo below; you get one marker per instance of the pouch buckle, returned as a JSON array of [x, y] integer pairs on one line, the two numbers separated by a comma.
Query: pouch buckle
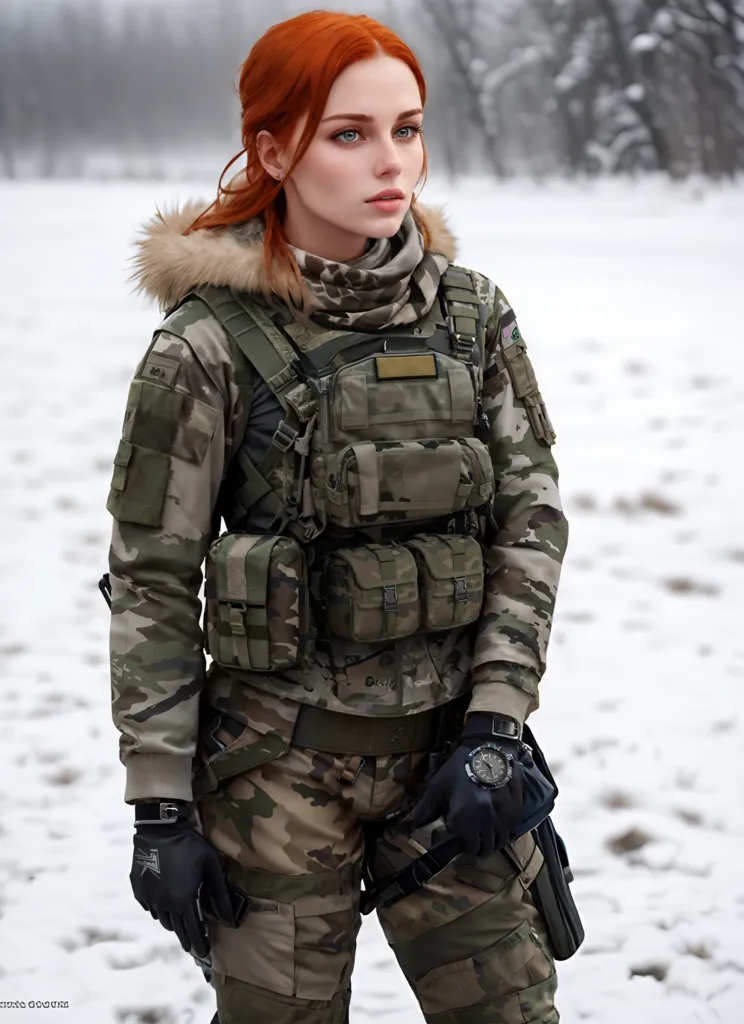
[[390, 597], [461, 588], [284, 437]]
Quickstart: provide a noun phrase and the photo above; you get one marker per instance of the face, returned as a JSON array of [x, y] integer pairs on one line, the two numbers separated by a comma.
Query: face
[[368, 143]]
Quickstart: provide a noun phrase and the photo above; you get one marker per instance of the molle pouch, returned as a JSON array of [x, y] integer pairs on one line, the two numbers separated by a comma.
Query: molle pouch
[[450, 574], [525, 385], [257, 602], [371, 592], [379, 482]]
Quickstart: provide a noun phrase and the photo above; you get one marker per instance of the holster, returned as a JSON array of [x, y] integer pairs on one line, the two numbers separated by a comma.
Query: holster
[[552, 896], [550, 890]]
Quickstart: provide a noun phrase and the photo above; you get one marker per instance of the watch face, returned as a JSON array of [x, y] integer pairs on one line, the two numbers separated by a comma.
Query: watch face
[[489, 766]]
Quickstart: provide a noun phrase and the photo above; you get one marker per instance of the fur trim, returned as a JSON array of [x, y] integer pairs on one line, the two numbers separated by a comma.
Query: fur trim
[[168, 263]]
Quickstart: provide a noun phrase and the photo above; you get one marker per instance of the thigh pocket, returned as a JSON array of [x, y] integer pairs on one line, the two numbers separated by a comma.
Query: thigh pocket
[[503, 973], [325, 940], [303, 949], [262, 950]]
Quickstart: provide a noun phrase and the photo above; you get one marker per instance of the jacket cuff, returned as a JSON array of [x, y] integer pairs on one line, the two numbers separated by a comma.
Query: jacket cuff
[[504, 689], [159, 776]]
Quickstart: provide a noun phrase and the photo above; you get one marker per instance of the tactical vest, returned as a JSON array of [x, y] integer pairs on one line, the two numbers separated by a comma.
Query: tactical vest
[[377, 536]]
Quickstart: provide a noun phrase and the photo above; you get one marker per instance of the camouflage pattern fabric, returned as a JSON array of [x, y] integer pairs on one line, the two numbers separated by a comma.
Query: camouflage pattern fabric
[[394, 282], [291, 835], [372, 592], [450, 573], [179, 432], [257, 602]]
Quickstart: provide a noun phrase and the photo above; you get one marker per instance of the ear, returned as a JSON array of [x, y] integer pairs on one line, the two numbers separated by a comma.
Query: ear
[[269, 154]]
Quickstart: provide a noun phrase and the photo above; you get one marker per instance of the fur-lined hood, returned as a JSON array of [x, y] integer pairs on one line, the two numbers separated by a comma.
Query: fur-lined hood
[[168, 263]]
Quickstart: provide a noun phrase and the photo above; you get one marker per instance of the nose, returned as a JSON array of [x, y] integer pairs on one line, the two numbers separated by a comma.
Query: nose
[[388, 163]]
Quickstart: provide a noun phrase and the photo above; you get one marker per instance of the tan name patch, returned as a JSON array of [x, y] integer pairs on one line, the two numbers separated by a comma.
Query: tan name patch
[[400, 367]]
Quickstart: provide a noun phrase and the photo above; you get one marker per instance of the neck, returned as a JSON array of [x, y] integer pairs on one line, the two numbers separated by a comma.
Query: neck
[[305, 230]]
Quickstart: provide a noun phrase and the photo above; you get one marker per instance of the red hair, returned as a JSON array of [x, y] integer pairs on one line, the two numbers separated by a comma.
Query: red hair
[[289, 71]]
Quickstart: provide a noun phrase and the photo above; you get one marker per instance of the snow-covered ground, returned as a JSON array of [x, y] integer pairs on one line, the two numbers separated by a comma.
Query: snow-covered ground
[[630, 299]]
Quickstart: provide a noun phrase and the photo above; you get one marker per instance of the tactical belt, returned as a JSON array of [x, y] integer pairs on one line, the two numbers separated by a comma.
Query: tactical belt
[[338, 733], [332, 732]]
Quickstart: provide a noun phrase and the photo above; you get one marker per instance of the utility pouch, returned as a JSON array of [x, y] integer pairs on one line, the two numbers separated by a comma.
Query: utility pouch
[[450, 572], [257, 602], [405, 481], [371, 592]]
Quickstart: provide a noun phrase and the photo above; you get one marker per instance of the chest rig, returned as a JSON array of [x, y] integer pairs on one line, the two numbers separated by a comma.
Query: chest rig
[[376, 476]]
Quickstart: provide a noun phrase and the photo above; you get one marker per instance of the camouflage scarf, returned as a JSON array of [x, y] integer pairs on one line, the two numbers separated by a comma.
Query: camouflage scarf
[[394, 282]]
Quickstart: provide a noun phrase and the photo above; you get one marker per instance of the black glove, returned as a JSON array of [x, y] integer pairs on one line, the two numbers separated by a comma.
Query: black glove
[[171, 861], [481, 817]]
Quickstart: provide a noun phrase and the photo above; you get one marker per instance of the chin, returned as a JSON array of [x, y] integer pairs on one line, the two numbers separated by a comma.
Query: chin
[[385, 227]]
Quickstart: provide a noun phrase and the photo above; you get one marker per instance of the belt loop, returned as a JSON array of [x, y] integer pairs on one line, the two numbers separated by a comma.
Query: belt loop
[[351, 769]]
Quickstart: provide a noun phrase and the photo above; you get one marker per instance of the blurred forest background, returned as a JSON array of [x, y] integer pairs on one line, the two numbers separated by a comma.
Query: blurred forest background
[[535, 87]]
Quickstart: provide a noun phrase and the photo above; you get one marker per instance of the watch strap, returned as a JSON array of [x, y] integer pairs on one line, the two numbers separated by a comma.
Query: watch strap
[[485, 723], [165, 812]]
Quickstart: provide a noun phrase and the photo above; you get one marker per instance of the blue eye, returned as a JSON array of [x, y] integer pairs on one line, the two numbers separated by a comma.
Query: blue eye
[[415, 129], [347, 131]]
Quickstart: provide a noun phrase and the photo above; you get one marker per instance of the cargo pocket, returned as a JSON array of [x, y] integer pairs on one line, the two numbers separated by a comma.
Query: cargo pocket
[[138, 485], [511, 974], [326, 927], [450, 573], [257, 602], [371, 592], [262, 950]]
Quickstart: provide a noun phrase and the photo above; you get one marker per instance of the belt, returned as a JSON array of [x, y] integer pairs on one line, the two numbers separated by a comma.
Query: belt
[[335, 732]]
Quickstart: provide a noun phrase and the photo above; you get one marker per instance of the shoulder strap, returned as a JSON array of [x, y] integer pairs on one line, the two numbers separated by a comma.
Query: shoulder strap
[[272, 357], [463, 311]]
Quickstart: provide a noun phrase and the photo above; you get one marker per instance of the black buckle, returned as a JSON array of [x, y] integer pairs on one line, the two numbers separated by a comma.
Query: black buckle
[[461, 588], [390, 598]]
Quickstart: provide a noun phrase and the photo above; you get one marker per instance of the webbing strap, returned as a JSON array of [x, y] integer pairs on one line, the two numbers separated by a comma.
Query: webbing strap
[[268, 352], [226, 764], [462, 309]]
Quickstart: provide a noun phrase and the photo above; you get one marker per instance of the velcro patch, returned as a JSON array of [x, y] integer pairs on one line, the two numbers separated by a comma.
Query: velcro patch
[[402, 367], [160, 369], [510, 335]]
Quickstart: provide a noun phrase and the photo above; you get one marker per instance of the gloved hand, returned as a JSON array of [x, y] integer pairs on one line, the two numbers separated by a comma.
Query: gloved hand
[[481, 817], [171, 861]]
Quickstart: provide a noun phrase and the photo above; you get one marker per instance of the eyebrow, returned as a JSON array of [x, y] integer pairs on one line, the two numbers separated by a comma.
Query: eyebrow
[[366, 117]]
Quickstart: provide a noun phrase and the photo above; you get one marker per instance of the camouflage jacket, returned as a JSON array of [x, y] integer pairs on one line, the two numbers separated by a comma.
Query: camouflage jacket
[[158, 674]]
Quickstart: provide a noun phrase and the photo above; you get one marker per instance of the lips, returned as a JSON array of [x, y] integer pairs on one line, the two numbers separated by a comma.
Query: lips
[[392, 193]]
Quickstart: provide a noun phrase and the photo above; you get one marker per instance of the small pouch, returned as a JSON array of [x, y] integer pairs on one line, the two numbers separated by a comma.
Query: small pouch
[[257, 602], [450, 574], [480, 471], [405, 481], [371, 592]]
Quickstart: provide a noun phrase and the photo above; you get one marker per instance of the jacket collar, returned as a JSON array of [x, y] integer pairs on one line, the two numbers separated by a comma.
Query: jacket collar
[[167, 263]]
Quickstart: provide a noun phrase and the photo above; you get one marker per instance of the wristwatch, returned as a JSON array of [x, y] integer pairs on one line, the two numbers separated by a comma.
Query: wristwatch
[[163, 813], [489, 766]]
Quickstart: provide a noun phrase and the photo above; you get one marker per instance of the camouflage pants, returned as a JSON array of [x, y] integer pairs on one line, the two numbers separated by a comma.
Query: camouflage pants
[[292, 835]]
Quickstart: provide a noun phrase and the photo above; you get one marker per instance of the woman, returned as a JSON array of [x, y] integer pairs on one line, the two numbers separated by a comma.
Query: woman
[[362, 414]]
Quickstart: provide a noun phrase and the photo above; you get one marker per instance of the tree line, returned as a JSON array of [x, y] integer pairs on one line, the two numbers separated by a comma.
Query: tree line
[[535, 87]]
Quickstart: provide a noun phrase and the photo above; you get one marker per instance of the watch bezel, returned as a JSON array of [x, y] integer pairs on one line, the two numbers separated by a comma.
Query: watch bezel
[[470, 771]]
